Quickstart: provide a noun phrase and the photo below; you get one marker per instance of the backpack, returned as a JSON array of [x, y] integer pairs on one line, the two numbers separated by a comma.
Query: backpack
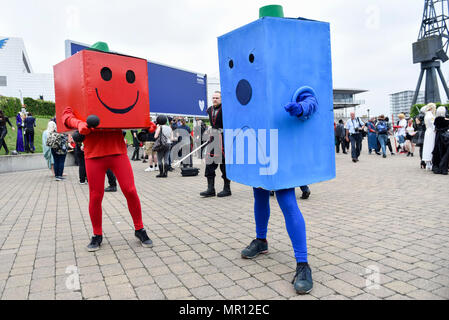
[[381, 127]]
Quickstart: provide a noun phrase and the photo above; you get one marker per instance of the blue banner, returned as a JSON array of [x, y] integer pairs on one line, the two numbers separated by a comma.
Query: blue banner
[[172, 91]]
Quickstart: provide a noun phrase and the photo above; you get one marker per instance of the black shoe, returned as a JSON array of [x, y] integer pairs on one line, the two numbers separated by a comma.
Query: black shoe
[[210, 192], [255, 248], [302, 280], [170, 169], [345, 153], [110, 189], [392, 153], [161, 172], [144, 161], [411, 154], [143, 237], [378, 153], [384, 156], [408, 154], [354, 160], [271, 193], [226, 190], [95, 243], [305, 195]]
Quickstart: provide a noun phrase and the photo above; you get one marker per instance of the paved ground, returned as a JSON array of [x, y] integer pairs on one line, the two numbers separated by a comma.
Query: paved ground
[[378, 231]]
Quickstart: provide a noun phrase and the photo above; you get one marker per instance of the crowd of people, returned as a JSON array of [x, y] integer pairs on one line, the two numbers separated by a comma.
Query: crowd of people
[[428, 131]]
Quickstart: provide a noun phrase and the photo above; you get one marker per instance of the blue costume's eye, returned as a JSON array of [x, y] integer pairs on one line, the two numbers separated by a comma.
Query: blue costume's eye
[[251, 58], [231, 64]]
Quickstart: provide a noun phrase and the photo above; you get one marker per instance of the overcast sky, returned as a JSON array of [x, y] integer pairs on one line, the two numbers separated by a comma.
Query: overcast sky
[[371, 39]]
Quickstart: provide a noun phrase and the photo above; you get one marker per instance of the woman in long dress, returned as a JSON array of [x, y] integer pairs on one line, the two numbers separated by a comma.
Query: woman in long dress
[[20, 124], [429, 136]]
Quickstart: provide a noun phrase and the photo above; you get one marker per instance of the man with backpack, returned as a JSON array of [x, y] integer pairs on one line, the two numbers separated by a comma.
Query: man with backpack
[[382, 134], [354, 128]]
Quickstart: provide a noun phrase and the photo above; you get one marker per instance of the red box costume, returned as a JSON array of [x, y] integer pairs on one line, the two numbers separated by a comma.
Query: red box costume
[[115, 88]]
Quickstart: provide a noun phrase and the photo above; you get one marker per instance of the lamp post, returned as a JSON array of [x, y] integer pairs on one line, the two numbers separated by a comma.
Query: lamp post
[[368, 113]]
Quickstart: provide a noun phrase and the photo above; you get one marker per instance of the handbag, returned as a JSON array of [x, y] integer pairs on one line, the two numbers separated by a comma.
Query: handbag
[[418, 138], [161, 143]]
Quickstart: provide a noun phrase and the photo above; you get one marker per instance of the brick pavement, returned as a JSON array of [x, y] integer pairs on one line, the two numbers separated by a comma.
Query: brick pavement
[[384, 215]]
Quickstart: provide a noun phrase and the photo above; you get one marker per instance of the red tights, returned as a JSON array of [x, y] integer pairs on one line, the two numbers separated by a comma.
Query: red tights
[[96, 169]]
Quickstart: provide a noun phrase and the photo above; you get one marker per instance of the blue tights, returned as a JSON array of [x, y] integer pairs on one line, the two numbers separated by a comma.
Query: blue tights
[[294, 220]]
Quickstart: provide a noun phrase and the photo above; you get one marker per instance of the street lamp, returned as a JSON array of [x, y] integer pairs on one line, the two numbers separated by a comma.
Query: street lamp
[[368, 113]]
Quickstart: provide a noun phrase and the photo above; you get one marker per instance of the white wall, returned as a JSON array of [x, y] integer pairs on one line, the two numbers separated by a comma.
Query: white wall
[[20, 83]]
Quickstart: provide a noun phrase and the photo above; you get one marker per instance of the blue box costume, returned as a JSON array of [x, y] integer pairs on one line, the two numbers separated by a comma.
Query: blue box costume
[[289, 54], [276, 86]]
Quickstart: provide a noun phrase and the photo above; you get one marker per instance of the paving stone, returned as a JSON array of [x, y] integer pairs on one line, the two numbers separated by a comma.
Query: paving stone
[[150, 292], [94, 289], [400, 287], [121, 292], [176, 293], [167, 281]]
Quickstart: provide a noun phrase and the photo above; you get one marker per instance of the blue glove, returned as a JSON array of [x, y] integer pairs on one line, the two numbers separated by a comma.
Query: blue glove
[[305, 106], [295, 109]]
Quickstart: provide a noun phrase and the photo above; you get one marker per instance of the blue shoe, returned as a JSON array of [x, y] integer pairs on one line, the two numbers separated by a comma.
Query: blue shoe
[[254, 249], [302, 281]]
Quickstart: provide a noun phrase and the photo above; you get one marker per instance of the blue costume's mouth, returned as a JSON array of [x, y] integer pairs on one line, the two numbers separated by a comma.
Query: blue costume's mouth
[[244, 92], [119, 111]]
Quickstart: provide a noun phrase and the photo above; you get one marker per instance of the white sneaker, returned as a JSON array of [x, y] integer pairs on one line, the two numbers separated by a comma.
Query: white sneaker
[[149, 169]]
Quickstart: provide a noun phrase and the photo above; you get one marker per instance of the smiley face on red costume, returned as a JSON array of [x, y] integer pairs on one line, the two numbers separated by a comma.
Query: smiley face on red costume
[[114, 87]]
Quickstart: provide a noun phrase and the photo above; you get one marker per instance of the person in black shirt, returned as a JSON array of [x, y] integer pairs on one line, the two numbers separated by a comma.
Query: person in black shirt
[[216, 121], [30, 123], [4, 131]]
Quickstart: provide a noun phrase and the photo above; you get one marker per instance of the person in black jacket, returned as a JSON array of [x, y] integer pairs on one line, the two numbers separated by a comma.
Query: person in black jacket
[[4, 131], [340, 134], [440, 155], [216, 120], [30, 123]]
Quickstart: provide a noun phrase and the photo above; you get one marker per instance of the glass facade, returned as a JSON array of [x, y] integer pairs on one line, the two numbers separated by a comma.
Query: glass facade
[[401, 102]]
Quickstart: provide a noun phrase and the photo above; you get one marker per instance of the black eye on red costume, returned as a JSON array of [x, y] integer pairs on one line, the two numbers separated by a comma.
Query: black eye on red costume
[[130, 76], [106, 74]]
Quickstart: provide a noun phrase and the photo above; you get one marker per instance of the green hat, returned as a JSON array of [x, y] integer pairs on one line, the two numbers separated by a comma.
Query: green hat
[[273, 10], [100, 46]]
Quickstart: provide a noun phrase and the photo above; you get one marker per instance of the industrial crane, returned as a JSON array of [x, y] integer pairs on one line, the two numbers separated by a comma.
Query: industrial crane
[[431, 48]]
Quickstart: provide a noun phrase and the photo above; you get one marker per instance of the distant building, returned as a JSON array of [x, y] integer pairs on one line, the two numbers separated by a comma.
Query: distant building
[[344, 99], [401, 102], [17, 78]]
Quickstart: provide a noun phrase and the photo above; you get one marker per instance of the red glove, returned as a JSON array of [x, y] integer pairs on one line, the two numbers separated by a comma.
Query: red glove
[[152, 127], [83, 129], [72, 122]]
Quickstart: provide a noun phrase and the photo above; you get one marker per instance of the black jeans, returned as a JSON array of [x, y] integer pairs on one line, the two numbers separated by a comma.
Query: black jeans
[[3, 132], [112, 180], [356, 145], [341, 141], [59, 160], [81, 164], [29, 140], [210, 170]]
